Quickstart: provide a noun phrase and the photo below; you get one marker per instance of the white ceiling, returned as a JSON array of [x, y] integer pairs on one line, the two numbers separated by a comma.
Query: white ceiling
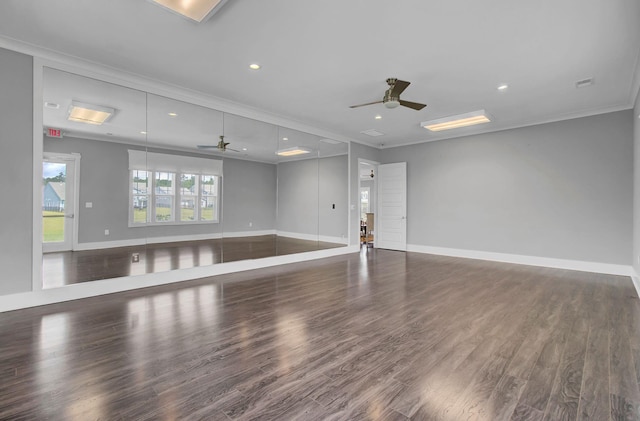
[[320, 57]]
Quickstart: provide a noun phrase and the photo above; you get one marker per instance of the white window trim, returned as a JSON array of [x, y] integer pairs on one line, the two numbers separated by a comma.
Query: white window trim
[[151, 201]]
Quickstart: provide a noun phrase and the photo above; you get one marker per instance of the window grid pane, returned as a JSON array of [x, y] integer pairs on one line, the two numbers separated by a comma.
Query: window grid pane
[[164, 196], [188, 197]]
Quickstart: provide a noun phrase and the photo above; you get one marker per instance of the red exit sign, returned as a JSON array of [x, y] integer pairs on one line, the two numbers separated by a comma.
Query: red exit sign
[[54, 132]]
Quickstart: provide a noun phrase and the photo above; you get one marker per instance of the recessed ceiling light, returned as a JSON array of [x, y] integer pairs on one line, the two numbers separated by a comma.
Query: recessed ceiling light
[[285, 138], [378, 117], [292, 151], [456, 121], [503, 87], [89, 114], [173, 115], [197, 10], [244, 149], [143, 132], [254, 66], [52, 105]]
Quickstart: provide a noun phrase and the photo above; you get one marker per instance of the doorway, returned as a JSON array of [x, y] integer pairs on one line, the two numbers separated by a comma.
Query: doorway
[[367, 187], [58, 202]]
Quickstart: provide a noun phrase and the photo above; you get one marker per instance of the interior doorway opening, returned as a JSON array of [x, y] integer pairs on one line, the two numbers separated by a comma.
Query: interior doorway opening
[[367, 188]]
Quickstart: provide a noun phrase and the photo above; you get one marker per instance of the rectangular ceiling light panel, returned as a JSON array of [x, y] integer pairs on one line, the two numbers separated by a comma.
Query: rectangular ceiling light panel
[[89, 114], [456, 121], [292, 151], [197, 10]]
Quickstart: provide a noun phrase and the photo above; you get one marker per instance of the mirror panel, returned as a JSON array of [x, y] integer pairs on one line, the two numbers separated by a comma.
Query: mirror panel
[[249, 189], [93, 204], [333, 169], [157, 193], [297, 191], [184, 226]]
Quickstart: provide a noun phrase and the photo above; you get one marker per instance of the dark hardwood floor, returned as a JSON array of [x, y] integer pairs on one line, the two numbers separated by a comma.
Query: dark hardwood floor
[[379, 335], [72, 267]]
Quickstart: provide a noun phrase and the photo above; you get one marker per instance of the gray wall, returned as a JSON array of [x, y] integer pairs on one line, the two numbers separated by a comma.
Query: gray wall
[[358, 151], [636, 185], [333, 190], [249, 195], [298, 197], [16, 166], [307, 191], [102, 161], [560, 190]]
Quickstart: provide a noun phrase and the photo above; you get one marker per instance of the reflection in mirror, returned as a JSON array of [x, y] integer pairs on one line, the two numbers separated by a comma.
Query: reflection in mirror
[[88, 125], [165, 185], [184, 221]]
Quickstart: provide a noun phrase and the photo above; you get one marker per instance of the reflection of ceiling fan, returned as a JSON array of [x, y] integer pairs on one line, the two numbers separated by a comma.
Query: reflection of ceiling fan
[[391, 97], [221, 146]]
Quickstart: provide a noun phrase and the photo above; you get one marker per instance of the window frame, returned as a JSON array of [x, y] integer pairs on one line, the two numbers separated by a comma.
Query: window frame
[[176, 202]]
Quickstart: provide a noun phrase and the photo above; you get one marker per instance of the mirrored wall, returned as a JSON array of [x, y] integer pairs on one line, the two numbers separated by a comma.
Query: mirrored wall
[[135, 183]]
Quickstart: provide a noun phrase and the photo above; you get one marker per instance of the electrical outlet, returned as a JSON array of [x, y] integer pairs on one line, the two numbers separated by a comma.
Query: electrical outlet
[[135, 257], [106, 232], [88, 205]]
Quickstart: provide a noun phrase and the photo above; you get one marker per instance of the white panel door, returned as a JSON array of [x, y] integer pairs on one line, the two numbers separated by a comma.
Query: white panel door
[[392, 207]]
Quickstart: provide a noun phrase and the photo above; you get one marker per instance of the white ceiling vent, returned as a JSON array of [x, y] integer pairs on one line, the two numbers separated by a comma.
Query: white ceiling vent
[[330, 141], [584, 83], [372, 133]]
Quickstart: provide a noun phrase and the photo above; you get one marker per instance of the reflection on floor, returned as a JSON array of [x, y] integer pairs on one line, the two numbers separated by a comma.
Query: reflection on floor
[[67, 268]]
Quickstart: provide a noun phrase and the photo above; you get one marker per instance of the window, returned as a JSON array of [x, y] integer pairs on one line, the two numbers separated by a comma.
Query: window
[[188, 197], [173, 189], [164, 193], [209, 198], [140, 196]]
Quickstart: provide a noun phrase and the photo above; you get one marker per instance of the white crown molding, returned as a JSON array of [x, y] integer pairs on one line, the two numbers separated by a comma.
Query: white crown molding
[[72, 64], [485, 130], [583, 266]]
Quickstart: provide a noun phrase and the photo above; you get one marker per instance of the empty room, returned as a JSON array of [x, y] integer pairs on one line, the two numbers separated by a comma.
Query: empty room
[[285, 210]]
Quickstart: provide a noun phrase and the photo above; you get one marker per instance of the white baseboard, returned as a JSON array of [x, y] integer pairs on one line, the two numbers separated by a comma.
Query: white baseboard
[[313, 237], [169, 239], [636, 281], [110, 286], [595, 267]]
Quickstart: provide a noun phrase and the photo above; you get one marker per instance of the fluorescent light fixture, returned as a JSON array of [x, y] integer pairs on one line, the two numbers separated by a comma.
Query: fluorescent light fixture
[[196, 10], [455, 121], [89, 114], [293, 151]]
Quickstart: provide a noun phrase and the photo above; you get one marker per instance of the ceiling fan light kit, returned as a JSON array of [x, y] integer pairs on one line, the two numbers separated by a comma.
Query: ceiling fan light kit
[[456, 121], [391, 98]]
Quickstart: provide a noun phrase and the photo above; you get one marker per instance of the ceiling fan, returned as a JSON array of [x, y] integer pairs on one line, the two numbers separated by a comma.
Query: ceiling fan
[[221, 146], [391, 97]]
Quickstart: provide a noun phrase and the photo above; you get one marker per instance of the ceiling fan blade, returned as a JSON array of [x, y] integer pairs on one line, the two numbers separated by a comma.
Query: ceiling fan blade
[[399, 87], [414, 105], [207, 146], [363, 105]]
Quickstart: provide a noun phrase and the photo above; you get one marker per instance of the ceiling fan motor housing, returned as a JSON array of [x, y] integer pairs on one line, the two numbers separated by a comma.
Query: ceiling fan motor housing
[[390, 101]]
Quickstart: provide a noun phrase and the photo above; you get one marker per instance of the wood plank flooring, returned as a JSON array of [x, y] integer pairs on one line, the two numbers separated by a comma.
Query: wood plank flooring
[[379, 335], [72, 267]]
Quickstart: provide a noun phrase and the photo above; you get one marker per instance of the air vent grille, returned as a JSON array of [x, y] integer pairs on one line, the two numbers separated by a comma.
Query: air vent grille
[[372, 133]]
